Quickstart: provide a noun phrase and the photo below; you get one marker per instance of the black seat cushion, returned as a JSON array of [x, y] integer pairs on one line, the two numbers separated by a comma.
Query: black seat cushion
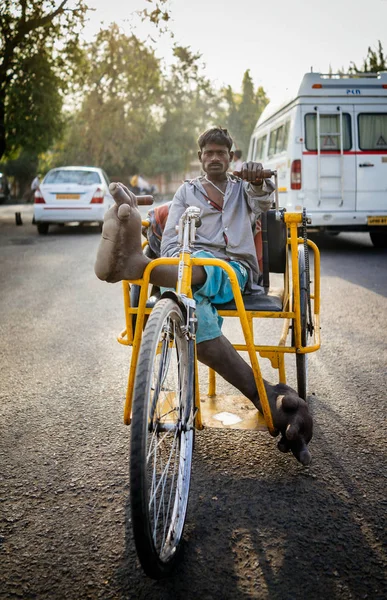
[[262, 302]]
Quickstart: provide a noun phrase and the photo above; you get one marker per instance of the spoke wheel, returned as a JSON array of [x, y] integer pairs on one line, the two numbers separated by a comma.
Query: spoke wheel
[[162, 439], [302, 359]]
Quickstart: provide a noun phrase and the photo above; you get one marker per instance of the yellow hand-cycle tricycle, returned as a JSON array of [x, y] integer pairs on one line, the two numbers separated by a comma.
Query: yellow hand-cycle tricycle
[[163, 401]]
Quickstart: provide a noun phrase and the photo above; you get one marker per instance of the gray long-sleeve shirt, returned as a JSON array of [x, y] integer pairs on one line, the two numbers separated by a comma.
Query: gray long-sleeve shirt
[[228, 233]]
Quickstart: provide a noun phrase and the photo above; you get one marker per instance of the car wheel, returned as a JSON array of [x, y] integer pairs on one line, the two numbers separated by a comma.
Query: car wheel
[[42, 228], [100, 225]]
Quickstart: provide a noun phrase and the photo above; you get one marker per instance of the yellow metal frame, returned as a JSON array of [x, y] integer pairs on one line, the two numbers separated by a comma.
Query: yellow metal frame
[[276, 354]]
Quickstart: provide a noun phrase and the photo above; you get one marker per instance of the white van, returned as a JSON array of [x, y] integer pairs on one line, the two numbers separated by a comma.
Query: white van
[[329, 146]]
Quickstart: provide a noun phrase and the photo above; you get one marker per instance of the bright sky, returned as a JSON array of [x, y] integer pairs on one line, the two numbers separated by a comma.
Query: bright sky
[[278, 41]]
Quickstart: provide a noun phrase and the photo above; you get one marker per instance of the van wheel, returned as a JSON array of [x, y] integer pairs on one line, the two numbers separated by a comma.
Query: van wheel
[[42, 228], [379, 239]]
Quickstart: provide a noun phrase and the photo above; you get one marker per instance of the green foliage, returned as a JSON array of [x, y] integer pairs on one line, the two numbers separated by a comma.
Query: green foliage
[[187, 106], [159, 14], [374, 62], [34, 104], [121, 86], [240, 112], [123, 110], [38, 51], [23, 168], [134, 117]]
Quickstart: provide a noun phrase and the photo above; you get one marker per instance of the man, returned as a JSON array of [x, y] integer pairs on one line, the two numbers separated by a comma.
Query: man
[[238, 162], [229, 208]]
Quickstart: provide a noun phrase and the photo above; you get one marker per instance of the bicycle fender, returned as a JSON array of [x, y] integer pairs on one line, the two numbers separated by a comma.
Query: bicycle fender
[[178, 299]]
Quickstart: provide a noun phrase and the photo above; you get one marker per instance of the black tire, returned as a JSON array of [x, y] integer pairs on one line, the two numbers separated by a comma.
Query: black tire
[[162, 439], [43, 228], [379, 239], [302, 359]]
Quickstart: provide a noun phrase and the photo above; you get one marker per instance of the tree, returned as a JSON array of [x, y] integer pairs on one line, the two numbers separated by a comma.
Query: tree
[[374, 62], [38, 38], [117, 116], [136, 116], [187, 106], [240, 112]]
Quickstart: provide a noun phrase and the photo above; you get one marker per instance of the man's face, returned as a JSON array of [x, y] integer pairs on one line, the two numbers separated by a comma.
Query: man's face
[[215, 159]]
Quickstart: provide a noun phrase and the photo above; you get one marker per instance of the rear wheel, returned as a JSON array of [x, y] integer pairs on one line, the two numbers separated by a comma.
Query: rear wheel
[[42, 228], [379, 239], [162, 439], [302, 359]]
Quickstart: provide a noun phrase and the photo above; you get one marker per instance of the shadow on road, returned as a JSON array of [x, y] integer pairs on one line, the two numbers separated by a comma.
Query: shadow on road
[[284, 533]]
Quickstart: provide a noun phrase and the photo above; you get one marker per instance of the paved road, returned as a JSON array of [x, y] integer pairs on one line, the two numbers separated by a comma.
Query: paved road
[[259, 525]]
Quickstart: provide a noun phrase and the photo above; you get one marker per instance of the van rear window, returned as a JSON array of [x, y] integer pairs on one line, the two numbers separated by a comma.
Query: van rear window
[[278, 141], [372, 131], [260, 147], [329, 132]]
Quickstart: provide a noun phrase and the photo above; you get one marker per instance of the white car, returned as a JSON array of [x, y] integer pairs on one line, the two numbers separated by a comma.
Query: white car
[[72, 195]]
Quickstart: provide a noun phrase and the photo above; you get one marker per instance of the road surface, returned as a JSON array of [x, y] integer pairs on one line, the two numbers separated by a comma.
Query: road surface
[[259, 524]]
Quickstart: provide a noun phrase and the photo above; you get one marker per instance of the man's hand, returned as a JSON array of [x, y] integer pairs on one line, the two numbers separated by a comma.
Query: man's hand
[[251, 171]]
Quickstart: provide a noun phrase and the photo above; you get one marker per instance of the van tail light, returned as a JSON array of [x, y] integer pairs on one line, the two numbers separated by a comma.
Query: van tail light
[[295, 175], [38, 197], [97, 197]]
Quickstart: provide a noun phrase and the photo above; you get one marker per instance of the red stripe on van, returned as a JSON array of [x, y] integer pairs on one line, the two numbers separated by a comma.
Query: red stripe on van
[[314, 152]]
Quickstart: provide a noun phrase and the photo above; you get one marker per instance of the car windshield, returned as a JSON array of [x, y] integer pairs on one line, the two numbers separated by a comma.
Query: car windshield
[[78, 177]]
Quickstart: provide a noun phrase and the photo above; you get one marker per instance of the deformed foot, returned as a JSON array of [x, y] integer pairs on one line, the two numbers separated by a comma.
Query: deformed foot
[[290, 413], [120, 254], [292, 418]]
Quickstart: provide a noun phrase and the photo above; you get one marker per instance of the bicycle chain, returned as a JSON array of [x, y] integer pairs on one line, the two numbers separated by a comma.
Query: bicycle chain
[[309, 325]]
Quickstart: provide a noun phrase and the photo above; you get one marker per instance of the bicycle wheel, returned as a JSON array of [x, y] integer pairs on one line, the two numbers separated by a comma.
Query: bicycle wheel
[[162, 439], [302, 359]]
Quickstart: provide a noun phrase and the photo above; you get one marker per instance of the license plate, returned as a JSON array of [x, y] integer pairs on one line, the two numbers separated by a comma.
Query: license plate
[[68, 196], [377, 220]]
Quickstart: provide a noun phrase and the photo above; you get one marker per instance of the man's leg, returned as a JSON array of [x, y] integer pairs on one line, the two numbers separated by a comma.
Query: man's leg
[[290, 413], [120, 256]]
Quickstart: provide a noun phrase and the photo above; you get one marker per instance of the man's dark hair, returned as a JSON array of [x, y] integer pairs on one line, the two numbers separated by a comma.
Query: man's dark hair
[[215, 135], [237, 153]]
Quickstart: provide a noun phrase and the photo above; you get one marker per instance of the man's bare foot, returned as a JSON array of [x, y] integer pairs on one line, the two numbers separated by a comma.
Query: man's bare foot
[[120, 254], [292, 418], [290, 413]]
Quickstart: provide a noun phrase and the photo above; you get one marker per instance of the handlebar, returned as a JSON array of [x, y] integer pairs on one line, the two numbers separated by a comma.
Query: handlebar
[[144, 200], [265, 174]]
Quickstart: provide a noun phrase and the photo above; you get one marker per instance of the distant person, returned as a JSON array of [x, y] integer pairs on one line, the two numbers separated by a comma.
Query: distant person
[[238, 162], [34, 186], [140, 185]]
